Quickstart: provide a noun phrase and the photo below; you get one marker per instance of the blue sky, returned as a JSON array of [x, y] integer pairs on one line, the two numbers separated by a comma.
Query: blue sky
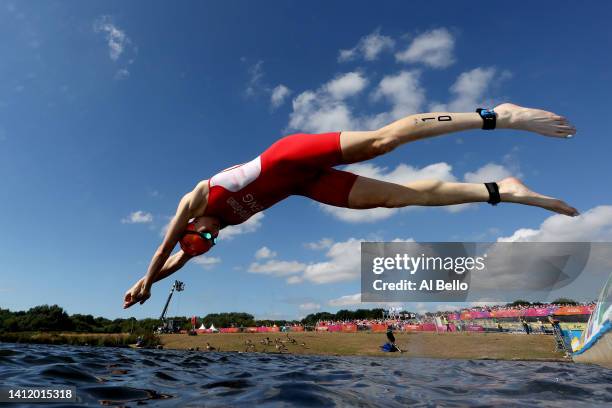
[[110, 111]]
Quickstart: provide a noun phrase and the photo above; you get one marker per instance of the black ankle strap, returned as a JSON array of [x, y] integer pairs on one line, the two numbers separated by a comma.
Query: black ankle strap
[[493, 189], [489, 118]]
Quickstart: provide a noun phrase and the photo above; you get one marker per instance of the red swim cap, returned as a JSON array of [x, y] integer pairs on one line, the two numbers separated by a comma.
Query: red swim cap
[[193, 244]]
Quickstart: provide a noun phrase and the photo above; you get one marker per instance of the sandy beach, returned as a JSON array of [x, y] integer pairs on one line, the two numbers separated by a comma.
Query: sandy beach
[[500, 346]]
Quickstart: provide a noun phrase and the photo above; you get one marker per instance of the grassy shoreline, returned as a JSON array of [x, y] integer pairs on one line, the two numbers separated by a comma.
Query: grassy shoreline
[[77, 339], [498, 346]]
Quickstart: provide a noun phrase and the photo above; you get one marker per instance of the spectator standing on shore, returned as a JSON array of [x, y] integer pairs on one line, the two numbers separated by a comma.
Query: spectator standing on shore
[[447, 323], [554, 322], [541, 323], [525, 325], [499, 326]]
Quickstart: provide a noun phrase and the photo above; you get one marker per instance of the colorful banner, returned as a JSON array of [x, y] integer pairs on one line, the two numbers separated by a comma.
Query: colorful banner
[[507, 313], [349, 328], [475, 314], [466, 316], [297, 328], [334, 328], [573, 310], [412, 327], [428, 327], [251, 330], [321, 328], [229, 330], [378, 328], [540, 311]]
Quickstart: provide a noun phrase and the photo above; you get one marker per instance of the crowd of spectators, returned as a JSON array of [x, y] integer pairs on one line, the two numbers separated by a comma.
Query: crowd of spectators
[[446, 318]]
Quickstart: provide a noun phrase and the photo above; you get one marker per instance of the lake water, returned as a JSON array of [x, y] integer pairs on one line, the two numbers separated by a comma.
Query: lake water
[[168, 378]]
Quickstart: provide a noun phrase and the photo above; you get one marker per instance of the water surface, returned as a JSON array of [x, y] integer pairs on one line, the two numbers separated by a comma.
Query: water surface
[[168, 378]]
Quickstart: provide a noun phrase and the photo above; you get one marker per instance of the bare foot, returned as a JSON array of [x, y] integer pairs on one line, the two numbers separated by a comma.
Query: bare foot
[[546, 123], [514, 191]]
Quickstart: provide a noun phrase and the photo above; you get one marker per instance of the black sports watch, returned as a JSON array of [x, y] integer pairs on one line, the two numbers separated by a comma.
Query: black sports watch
[[489, 118]]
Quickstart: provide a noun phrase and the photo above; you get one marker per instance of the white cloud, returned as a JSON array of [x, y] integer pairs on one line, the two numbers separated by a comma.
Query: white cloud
[[347, 300], [277, 268], [309, 306], [316, 112], [250, 225], [593, 225], [488, 172], [343, 264], [293, 280], [324, 110], [255, 75], [402, 174], [122, 73], [264, 253], [138, 217], [355, 300], [485, 302], [115, 37], [346, 85], [323, 243], [279, 94], [207, 262], [447, 308], [433, 48], [327, 109], [513, 269], [368, 47], [405, 94], [468, 91]]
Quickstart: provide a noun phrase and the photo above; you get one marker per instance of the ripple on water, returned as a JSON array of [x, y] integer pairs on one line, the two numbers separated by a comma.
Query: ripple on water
[[119, 394], [122, 377], [65, 372], [164, 376]]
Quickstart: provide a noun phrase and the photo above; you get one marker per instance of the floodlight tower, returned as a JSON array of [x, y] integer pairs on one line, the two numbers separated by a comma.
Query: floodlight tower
[[179, 287]]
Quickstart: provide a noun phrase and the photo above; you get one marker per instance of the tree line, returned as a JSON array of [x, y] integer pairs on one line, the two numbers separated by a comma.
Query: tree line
[[54, 318], [46, 318]]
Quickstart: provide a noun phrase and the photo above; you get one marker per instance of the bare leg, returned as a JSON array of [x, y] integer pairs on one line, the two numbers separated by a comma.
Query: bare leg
[[360, 146], [371, 193]]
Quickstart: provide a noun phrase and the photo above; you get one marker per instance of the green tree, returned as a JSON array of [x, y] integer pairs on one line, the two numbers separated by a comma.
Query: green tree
[[565, 301], [518, 302]]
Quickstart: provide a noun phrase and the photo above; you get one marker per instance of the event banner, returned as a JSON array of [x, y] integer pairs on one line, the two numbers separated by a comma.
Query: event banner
[[469, 272]]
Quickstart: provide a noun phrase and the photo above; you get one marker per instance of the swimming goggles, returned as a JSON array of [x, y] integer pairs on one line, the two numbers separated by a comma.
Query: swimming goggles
[[205, 235]]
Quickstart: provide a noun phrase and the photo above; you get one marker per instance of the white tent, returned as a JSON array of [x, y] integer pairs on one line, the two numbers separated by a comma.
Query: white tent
[[212, 328], [202, 327]]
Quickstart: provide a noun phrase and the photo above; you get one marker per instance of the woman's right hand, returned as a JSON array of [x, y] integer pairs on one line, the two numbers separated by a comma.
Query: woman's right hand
[[132, 296]]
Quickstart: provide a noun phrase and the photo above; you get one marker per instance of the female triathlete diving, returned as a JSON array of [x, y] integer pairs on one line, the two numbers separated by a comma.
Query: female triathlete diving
[[303, 164]]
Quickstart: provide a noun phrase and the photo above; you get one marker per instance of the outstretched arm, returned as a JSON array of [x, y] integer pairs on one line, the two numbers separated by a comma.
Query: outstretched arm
[[175, 231], [187, 208], [173, 264]]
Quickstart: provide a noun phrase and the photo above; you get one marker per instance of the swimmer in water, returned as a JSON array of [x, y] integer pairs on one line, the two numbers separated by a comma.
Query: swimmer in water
[[303, 164]]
